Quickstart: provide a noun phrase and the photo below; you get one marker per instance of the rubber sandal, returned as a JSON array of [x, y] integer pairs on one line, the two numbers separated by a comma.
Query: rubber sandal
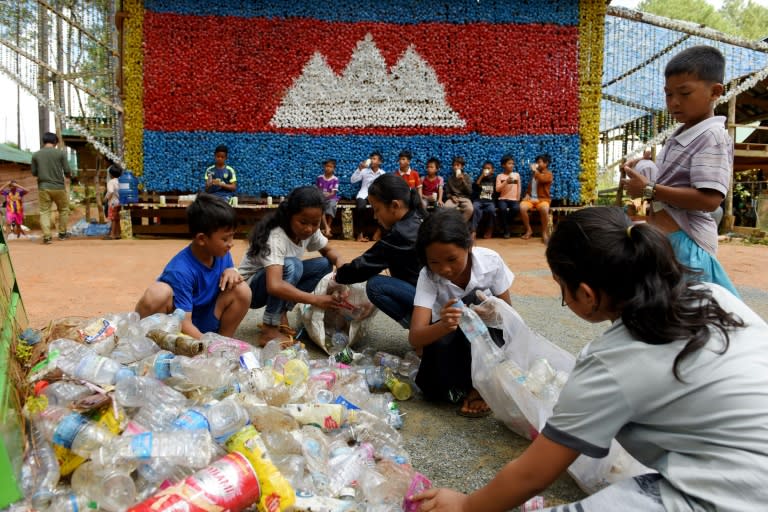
[[287, 330], [473, 414]]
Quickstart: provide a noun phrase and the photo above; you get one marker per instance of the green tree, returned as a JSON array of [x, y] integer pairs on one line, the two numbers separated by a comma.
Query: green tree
[[743, 18]]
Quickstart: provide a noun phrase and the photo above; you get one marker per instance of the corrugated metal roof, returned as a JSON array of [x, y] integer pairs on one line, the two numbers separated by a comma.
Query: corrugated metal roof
[[9, 153]]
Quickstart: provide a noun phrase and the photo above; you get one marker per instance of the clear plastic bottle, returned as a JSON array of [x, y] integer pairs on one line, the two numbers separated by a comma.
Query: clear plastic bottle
[[168, 323], [110, 486], [132, 348], [158, 415], [78, 360], [72, 430], [189, 448], [210, 372], [62, 392], [48, 467], [476, 331], [400, 389], [345, 468], [136, 391], [71, 502], [225, 418]]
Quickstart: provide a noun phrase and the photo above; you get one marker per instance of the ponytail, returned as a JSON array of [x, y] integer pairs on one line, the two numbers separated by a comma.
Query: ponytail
[[388, 188], [634, 268]]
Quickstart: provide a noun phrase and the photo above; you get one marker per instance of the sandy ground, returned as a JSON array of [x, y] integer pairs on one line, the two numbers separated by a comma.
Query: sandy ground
[[89, 277]]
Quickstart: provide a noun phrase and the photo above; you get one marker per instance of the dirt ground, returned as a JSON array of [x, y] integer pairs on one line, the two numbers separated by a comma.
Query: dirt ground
[[89, 277]]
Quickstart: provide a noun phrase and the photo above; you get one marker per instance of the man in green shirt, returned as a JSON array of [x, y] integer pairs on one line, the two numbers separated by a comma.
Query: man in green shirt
[[51, 167]]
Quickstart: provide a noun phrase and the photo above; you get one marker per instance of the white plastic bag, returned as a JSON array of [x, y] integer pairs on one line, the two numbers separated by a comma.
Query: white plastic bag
[[499, 375], [321, 325]]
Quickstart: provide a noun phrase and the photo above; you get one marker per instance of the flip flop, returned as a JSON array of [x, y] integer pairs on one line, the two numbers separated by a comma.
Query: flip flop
[[482, 413], [287, 330]]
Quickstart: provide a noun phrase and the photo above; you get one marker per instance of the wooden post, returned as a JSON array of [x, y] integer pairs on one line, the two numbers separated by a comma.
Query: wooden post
[[728, 218]]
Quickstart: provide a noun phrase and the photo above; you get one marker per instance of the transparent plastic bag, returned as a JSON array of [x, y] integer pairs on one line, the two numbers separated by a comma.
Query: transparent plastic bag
[[352, 320], [501, 376]]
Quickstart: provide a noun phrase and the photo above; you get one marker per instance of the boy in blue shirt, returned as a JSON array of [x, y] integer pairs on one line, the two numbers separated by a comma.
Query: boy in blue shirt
[[202, 279], [220, 178]]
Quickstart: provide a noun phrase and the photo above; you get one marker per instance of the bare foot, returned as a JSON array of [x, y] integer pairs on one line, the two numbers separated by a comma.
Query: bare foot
[[527, 235], [362, 238], [269, 333]]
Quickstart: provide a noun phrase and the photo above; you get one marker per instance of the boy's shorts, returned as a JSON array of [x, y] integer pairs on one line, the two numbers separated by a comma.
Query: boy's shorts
[[690, 254], [534, 203], [114, 212], [330, 208], [14, 218]]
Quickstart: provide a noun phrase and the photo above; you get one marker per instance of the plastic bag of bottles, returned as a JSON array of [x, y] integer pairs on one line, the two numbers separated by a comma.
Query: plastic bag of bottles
[[521, 383], [335, 330]]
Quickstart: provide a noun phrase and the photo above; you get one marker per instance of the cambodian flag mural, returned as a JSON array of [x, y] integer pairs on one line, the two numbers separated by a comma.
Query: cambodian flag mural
[[287, 85]]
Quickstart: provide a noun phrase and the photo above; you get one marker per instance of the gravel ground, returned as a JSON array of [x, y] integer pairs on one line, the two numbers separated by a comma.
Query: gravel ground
[[464, 453]]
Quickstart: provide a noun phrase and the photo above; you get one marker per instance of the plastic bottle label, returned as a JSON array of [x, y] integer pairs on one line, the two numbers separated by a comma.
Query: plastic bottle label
[[346, 403], [68, 428], [141, 445], [191, 420], [163, 366], [249, 361]]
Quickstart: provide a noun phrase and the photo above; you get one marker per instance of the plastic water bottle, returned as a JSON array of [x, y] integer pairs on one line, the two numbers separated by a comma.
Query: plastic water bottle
[[81, 362], [157, 365], [71, 502], [48, 468], [339, 342], [110, 486], [62, 392], [203, 372], [72, 430], [345, 468], [133, 347], [136, 391], [401, 390], [225, 418], [476, 331], [168, 323], [190, 448]]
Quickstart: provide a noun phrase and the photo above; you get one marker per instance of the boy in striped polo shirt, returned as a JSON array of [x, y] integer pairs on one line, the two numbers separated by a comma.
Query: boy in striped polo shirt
[[695, 164]]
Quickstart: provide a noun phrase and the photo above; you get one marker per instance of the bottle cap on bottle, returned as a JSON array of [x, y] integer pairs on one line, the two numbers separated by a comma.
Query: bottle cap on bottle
[[40, 386]]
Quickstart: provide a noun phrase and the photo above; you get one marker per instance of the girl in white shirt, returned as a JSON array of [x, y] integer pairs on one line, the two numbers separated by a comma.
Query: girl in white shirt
[[273, 265], [454, 270]]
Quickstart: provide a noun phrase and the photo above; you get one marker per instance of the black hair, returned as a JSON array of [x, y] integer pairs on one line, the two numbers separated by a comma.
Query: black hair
[[209, 213], [487, 162], [297, 200], [50, 138], [634, 269], [329, 161], [704, 62], [405, 153], [221, 148], [115, 170], [376, 153], [458, 160], [388, 187], [435, 161], [445, 225], [545, 157], [506, 158]]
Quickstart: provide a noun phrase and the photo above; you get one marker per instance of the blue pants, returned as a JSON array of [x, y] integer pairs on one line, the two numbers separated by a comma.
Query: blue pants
[[690, 254], [393, 296], [507, 211], [303, 274], [480, 209]]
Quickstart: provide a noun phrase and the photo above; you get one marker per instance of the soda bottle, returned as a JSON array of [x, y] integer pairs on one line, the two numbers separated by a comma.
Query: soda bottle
[[110, 486]]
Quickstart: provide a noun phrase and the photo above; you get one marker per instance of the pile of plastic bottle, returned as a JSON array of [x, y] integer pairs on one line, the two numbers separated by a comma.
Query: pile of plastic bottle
[[135, 416]]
